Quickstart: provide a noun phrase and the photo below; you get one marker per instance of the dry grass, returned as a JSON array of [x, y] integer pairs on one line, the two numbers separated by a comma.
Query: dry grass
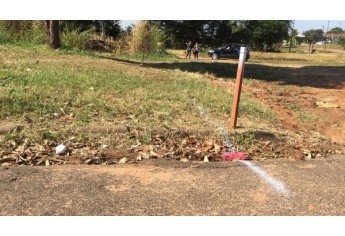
[[51, 93], [332, 56]]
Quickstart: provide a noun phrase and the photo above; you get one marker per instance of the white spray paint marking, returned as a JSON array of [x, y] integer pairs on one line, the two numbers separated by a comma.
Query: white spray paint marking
[[219, 127], [277, 185]]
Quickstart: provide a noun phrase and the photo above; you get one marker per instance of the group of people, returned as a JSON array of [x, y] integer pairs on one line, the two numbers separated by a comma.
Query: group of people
[[195, 50]]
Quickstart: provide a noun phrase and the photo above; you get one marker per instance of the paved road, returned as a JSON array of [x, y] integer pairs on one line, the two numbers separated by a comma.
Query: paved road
[[312, 187]]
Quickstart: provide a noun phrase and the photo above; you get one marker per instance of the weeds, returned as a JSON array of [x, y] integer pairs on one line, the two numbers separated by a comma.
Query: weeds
[[304, 116], [244, 141], [294, 107]]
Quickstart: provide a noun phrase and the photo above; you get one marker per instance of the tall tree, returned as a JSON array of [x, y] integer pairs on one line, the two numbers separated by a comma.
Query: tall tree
[[80, 25], [53, 33], [217, 32], [108, 28], [263, 34], [313, 36], [178, 32], [341, 41]]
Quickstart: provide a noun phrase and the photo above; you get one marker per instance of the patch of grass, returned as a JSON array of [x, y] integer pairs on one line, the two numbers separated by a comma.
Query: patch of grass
[[244, 140], [305, 92], [149, 57], [145, 138], [255, 108], [304, 116], [294, 107]]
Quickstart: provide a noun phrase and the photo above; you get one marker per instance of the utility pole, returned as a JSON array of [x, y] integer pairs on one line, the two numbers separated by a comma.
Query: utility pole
[[326, 37], [324, 34]]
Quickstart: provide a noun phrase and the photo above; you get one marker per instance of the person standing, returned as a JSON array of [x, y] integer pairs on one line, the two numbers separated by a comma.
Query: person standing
[[189, 49], [196, 51]]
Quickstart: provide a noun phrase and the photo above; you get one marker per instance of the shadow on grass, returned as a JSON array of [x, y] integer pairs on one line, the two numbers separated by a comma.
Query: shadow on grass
[[121, 60], [327, 77]]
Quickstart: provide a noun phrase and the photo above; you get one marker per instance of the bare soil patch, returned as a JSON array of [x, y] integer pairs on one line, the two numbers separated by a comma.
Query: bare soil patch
[[295, 98]]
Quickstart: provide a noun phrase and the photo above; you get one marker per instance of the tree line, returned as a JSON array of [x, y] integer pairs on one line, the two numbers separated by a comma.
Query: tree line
[[316, 35], [258, 34]]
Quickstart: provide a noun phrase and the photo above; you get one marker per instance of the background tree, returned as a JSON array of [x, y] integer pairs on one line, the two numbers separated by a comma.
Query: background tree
[[53, 33], [107, 28], [258, 34], [341, 41], [80, 25], [263, 34], [313, 36], [178, 32], [217, 32], [336, 30]]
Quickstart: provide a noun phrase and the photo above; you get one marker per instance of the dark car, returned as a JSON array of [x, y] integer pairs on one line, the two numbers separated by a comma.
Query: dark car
[[231, 50]]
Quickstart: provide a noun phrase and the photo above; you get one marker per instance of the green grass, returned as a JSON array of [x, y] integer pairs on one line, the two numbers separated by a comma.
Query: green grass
[[244, 140], [57, 90], [154, 56]]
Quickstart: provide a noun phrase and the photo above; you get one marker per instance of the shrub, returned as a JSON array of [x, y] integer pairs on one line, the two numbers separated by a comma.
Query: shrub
[[146, 38], [73, 38], [22, 31]]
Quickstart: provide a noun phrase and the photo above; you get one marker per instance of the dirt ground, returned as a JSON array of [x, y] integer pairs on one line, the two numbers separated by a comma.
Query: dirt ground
[[316, 92]]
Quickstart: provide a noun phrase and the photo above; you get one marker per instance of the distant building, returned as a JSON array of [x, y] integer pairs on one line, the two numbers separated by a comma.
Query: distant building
[[333, 38], [300, 39]]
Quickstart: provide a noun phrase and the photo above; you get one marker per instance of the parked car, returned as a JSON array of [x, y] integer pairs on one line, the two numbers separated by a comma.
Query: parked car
[[231, 50]]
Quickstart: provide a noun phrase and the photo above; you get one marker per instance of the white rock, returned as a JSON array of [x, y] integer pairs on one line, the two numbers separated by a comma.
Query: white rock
[[60, 149], [123, 160]]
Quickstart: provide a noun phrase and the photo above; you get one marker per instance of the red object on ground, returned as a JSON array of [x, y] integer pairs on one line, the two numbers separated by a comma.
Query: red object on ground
[[229, 156], [299, 156]]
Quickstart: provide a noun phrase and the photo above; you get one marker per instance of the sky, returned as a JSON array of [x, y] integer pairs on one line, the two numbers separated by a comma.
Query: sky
[[304, 25]]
